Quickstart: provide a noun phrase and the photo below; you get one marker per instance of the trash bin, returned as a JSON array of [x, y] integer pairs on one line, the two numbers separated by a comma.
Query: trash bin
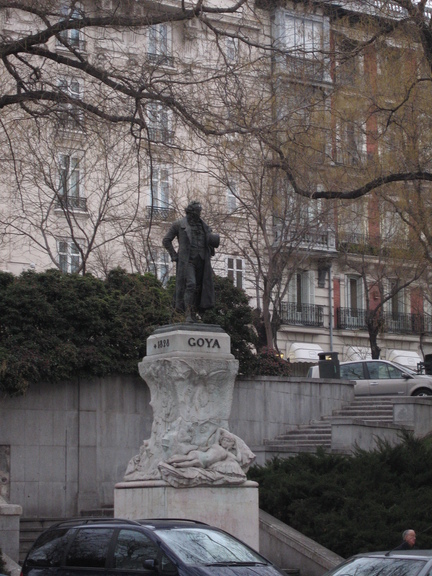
[[328, 365], [428, 364]]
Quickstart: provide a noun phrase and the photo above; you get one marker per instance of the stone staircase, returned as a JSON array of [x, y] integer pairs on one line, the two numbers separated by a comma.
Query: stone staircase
[[308, 437], [30, 528]]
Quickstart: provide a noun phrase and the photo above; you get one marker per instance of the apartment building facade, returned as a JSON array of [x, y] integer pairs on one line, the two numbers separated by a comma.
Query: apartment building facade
[[203, 106]]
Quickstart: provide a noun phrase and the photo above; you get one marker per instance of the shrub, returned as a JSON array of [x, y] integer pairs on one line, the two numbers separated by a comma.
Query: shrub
[[269, 363], [56, 326], [355, 503]]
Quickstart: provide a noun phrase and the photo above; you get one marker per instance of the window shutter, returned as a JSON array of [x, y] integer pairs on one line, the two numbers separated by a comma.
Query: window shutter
[[308, 287], [292, 288]]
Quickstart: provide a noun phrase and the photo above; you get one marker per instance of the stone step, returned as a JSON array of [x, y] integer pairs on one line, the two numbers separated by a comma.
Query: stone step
[[30, 529], [307, 434], [106, 512], [362, 413], [308, 437], [292, 449]]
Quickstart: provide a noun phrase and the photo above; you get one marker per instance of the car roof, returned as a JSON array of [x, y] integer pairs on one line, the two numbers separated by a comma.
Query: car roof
[[419, 554], [366, 360], [173, 523], [148, 523]]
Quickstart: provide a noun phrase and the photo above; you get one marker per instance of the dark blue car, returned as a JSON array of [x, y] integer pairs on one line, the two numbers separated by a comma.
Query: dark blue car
[[113, 547]]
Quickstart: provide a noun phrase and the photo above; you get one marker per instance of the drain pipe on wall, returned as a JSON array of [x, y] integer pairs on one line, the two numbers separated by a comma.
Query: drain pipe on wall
[[330, 294]]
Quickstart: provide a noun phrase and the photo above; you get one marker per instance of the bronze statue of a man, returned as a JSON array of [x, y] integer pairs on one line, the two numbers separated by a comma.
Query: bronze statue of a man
[[194, 277]]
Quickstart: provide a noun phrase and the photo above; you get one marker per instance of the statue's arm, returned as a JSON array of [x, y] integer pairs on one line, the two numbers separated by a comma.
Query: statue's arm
[[167, 242]]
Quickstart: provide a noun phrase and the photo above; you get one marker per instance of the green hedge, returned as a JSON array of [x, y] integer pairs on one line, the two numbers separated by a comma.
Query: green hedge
[[56, 326], [357, 503]]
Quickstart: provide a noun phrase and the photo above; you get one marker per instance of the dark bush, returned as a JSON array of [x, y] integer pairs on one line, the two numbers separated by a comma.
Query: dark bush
[[356, 503], [269, 363], [56, 326]]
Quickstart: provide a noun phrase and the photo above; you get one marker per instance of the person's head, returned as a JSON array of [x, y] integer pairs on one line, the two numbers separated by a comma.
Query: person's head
[[226, 440], [409, 536], [193, 210]]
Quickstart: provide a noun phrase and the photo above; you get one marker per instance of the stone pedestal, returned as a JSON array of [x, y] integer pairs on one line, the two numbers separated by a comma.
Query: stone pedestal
[[192, 466], [10, 528], [232, 508]]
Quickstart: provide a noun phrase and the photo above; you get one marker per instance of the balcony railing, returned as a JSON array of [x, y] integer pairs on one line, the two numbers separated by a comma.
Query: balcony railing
[[299, 65], [302, 314], [375, 7], [320, 240], [157, 134], [407, 323], [160, 214], [356, 319], [351, 319], [160, 59], [71, 203]]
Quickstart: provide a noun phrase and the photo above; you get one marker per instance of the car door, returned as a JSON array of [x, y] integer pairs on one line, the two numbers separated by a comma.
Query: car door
[[355, 371], [385, 378], [135, 554], [88, 552]]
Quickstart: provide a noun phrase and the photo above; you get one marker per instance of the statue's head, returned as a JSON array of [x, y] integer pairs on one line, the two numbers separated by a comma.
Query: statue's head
[[194, 208]]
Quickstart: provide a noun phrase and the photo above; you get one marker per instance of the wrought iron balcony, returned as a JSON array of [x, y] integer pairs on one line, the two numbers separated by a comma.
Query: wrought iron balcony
[[357, 243], [356, 319], [160, 134], [399, 323], [160, 214], [351, 319], [302, 314], [300, 65], [160, 59], [71, 203], [319, 240]]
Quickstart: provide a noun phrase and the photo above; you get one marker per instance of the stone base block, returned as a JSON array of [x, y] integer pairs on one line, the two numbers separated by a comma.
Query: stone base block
[[232, 508]]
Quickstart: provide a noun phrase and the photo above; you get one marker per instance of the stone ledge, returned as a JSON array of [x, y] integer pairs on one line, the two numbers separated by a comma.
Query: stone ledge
[[163, 484], [191, 327]]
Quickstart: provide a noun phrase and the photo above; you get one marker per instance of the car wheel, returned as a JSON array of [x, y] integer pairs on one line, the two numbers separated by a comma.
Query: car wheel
[[422, 392]]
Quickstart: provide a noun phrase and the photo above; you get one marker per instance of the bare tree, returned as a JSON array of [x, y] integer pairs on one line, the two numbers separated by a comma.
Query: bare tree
[[383, 265]]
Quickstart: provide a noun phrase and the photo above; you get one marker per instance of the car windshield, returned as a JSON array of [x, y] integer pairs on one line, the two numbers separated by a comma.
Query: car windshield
[[388, 566], [206, 546], [406, 369]]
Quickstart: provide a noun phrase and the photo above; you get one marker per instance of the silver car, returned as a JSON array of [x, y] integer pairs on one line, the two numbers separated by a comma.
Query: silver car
[[380, 377], [392, 563]]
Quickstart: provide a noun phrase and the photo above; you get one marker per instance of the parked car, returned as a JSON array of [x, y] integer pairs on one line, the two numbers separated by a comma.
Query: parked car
[[114, 547], [393, 563], [380, 377]]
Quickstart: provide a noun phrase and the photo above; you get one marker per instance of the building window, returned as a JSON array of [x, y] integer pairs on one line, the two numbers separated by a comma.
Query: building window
[[350, 144], [396, 303], [231, 49], [303, 41], [303, 37], [70, 115], [353, 223], [235, 271], [159, 41], [301, 309], [69, 257], [232, 194], [160, 187], [354, 293], [159, 122], [349, 61], [69, 192], [301, 289], [160, 266], [392, 227], [72, 37]]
